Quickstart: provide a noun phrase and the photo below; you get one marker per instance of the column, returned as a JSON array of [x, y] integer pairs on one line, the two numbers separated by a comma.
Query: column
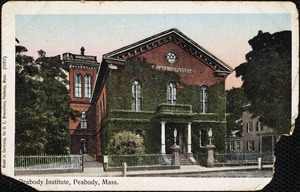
[[260, 144], [189, 138], [163, 138]]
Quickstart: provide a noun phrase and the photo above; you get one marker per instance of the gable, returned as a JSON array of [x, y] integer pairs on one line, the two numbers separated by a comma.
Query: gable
[[176, 37], [195, 65]]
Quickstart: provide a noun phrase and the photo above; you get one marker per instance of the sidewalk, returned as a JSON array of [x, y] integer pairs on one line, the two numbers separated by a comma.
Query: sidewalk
[[183, 170]]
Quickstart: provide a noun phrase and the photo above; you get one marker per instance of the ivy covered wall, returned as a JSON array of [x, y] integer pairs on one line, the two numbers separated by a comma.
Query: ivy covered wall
[[154, 92], [154, 85], [154, 88]]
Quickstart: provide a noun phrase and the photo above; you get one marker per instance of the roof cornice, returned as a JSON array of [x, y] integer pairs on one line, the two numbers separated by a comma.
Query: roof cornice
[[175, 36]]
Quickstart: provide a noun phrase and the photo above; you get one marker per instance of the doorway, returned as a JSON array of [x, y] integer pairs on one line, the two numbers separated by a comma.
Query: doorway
[[83, 146], [180, 137]]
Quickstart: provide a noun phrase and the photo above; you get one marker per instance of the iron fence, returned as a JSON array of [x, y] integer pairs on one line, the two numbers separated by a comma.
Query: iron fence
[[243, 157], [139, 160], [42, 162], [236, 157]]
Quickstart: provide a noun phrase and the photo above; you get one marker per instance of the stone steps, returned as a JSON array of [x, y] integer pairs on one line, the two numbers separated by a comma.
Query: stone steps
[[184, 160]]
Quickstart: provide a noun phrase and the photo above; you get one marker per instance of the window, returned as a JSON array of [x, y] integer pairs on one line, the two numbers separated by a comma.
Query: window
[[83, 146], [87, 86], [203, 99], [83, 122], [238, 146], [77, 84], [138, 132], [249, 127], [136, 96], [250, 145], [230, 146], [259, 126], [171, 94]]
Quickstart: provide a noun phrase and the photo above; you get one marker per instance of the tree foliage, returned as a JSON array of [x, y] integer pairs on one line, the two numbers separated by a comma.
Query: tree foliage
[[267, 78], [42, 111], [236, 100], [126, 143]]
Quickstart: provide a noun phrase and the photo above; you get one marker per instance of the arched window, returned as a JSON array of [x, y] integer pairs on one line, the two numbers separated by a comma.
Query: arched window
[[87, 86], [171, 94], [77, 85], [136, 96], [203, 99], [83, 122]]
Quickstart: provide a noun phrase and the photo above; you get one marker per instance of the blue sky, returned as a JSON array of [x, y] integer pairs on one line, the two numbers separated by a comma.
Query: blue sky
[[224, 35]]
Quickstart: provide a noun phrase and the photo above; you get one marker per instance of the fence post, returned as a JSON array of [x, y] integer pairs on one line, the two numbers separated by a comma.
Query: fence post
[[175, 155], [105, 162], [81, 159], [124, 169], [210, 155], [259, 163]]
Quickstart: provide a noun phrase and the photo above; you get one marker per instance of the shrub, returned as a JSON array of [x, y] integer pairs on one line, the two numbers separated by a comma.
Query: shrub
[[126, 143]]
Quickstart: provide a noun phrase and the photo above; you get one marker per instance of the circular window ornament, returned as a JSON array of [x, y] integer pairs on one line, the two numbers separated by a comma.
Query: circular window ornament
[[171, 57]]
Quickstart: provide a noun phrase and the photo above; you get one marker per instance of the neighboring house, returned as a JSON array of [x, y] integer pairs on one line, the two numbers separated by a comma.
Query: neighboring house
[[257, 137], [151, 87]]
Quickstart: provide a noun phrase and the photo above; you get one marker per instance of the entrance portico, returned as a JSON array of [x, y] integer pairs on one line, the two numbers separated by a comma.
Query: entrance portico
[[167, 137]]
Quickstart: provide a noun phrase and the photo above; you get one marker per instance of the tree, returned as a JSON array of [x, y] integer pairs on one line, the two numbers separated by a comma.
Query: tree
[[42, 111], [236, 100], [126, 143], [267, 78]]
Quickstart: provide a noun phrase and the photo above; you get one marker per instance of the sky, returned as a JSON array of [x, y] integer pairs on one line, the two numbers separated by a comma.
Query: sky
[[224, 35]]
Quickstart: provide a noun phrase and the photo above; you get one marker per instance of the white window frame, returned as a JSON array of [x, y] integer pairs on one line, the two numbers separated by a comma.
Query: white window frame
[[171, 94], [77, 85], [258, 126], [249, 127], [203, 99], [238, 146], [88, 86], [136, 96], [250, 145], [83, 121]]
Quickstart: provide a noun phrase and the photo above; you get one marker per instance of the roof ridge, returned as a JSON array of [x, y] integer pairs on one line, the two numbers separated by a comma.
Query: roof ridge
[[162, 34]]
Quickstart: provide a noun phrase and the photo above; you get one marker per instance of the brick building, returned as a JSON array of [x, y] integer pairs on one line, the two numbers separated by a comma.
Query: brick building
[[151, 87]]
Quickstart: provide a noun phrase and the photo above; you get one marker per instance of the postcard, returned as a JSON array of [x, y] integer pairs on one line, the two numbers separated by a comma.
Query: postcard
[[110, 96]]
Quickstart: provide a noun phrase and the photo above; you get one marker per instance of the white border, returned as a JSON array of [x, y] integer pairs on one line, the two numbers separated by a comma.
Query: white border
[[10, 9]]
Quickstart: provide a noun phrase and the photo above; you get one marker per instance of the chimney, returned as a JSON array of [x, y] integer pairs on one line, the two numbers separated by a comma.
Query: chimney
[[82, 50]]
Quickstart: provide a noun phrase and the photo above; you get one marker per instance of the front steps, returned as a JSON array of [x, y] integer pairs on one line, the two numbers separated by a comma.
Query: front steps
[[184, 160]]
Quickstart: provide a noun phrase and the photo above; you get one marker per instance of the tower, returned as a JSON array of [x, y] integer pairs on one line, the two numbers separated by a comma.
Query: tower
[[82, 75]]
